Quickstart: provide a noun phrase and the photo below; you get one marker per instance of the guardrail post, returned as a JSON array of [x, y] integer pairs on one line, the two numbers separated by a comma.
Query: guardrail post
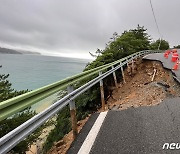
[[127, 62], [102, 93], [73, 113], [115, 79], [133, 64], [122, 72]]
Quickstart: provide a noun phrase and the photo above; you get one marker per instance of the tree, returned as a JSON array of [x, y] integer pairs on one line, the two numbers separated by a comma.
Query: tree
[[7, 125], [62, 127], [164, 45], [97, 53], [178, 46], [120, 46], [6, 92]]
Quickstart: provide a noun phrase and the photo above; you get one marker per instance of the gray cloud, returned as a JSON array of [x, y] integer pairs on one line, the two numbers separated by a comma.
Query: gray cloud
[[81, 26]]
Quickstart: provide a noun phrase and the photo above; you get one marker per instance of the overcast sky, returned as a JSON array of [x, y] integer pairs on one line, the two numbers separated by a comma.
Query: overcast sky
[[76, 27]]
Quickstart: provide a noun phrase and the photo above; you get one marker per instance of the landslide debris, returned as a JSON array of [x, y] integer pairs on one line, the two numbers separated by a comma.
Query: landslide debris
[[140, 90]]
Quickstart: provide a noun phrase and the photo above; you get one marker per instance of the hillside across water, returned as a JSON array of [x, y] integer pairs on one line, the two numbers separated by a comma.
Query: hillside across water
[[12, 51]]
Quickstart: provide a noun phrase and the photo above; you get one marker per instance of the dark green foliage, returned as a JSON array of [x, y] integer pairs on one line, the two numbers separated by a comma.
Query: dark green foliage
[[6, 92], [84, 102], [62, 127], [163, 46], [11, 123], [178, 46], [121, 46]]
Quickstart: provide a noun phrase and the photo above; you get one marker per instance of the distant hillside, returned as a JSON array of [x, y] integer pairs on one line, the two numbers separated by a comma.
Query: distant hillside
[[8, 51], [12, 51], [28, 52]]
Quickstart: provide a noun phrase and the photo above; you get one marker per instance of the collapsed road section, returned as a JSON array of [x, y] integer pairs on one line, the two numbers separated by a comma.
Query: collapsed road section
[[143, 113], [148, 84]]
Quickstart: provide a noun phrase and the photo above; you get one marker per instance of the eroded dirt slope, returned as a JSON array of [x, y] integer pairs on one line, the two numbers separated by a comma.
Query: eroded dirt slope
[[140, 90]]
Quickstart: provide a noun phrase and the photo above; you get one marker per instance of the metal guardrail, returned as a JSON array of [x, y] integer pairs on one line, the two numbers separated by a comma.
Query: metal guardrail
[[11, 139], [16, 104]]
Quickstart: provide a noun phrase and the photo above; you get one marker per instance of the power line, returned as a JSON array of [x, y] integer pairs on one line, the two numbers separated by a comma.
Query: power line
[[156, 24]]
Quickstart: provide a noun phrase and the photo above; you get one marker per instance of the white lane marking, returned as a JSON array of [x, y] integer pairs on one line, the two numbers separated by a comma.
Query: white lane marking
[[89, 141]]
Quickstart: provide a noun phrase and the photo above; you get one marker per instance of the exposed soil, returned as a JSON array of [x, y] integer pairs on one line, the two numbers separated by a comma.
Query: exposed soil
[[138, 90], [63, 145]]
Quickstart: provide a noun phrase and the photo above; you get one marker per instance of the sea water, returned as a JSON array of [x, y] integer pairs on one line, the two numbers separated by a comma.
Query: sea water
[[35, 71]]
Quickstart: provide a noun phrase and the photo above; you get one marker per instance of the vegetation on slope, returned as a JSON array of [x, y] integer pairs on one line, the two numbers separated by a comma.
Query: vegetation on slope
[[178, 46], [12, 51], [8, 51], [162, 44], [6, 92]]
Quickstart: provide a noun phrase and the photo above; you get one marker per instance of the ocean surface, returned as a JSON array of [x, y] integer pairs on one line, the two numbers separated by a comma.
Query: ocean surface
[[34, 71]]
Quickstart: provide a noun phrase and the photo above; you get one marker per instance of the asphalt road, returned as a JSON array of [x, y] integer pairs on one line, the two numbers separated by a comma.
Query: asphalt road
[[165, 62], [140, 130], [136, 130], [76, 145]]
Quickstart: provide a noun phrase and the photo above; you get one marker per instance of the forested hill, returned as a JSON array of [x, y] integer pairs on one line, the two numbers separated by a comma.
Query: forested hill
[[8, 51], [12, 51]]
